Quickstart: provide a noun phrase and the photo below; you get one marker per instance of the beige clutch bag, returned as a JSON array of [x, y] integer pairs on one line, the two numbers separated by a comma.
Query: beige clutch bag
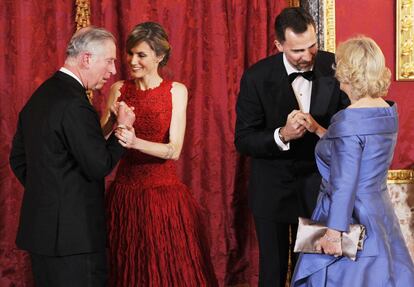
[[309, 232]]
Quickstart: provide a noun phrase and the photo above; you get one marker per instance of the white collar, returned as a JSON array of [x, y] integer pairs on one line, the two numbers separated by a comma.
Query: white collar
[[289, 68], [68, 72]]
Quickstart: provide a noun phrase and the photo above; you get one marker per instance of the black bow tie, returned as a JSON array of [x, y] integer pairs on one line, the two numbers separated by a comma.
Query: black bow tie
[[308, 75]]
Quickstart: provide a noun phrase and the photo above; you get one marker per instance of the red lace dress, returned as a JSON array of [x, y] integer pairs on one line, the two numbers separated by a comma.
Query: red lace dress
[[155, 236]]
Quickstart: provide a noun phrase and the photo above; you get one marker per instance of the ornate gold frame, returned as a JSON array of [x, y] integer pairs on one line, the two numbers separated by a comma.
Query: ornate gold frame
[[293, 3], [405, 40], [404, 67], [401, 176], [329, 26]]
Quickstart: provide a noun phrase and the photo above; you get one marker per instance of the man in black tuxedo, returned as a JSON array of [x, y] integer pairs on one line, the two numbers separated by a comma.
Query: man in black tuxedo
[[60, 156], [285, 102]]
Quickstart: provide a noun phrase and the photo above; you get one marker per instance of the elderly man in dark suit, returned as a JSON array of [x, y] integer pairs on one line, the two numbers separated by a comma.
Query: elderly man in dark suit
[[285, 102], [60, 156]]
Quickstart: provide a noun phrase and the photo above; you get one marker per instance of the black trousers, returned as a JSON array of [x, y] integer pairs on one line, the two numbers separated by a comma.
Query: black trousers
[[274, 248], [81, 270]]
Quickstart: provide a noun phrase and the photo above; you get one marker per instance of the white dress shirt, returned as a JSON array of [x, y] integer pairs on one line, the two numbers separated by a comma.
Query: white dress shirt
[[303, 90], [66, 71]]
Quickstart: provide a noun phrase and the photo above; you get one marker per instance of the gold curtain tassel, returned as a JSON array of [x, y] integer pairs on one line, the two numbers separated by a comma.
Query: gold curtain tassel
[[293, 3], [83, 19]]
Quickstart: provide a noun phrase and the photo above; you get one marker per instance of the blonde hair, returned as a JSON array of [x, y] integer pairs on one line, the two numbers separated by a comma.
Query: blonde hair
[[361, 64]]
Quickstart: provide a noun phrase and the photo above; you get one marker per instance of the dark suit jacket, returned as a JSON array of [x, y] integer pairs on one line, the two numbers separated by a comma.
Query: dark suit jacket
[[283, 184], [61, 158]]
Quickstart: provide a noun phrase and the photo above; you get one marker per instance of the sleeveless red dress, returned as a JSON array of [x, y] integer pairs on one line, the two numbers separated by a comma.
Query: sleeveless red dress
[[155, 236]]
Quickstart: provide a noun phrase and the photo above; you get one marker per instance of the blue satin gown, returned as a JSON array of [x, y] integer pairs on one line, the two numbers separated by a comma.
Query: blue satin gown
[[353, 158]]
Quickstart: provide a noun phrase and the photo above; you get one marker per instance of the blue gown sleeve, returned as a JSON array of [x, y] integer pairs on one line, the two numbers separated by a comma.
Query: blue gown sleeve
[[345, 165]]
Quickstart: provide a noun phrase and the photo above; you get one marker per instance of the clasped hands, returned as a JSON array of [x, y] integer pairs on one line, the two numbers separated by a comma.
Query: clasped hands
[[297, 124], [125, 118]]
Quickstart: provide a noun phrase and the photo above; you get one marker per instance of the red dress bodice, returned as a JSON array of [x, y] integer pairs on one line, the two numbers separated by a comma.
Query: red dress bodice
[[153, 110]]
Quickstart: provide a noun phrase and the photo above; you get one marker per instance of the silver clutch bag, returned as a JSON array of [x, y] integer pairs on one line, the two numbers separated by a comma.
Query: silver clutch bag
[[309, 232]]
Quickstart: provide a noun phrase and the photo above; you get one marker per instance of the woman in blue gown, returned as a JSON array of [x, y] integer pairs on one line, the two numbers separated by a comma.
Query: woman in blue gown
[[353, 157]]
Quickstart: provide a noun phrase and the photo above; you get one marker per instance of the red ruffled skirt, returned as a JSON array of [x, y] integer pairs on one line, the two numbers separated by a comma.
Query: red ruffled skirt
[[155, 238]]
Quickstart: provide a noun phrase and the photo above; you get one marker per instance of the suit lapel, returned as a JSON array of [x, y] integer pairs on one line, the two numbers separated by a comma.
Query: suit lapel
[[70, 81], [322, 88], [279, 92]]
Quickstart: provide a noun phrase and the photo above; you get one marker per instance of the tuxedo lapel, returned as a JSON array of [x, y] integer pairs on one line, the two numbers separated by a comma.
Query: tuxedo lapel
[[279, 92], [322, 88], [71, 82]]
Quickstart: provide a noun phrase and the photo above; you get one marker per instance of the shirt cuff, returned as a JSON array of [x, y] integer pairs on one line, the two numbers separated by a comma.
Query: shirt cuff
[[282, 146]]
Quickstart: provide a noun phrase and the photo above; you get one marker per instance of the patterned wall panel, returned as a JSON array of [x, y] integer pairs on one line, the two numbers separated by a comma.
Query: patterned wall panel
[[323, 12], [402, 197]]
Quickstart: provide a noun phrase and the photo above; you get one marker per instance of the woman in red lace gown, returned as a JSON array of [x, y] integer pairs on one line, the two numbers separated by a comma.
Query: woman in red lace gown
[[155, 236]]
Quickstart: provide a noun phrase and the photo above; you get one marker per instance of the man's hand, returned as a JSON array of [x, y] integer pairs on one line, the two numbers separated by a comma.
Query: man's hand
[[307, 121], [292, 129], [126, 115]]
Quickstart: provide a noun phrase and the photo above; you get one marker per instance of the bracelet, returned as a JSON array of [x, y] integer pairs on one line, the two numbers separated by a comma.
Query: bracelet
[[332, 239]]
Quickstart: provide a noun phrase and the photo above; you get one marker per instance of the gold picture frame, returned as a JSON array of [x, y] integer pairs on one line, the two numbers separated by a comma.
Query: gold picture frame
[[401, 176], [329, 26], [405, 40]]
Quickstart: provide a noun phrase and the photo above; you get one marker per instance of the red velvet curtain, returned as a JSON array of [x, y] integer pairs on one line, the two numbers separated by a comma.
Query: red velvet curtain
[[213, 43]]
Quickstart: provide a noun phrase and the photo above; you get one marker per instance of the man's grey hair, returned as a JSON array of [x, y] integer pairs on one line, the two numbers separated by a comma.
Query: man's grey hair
[[86, 39]]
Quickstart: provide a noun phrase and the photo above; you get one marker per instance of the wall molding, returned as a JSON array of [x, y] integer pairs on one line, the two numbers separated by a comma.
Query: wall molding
[[405, 43], [401, 176], [329, 26], [293, 3]]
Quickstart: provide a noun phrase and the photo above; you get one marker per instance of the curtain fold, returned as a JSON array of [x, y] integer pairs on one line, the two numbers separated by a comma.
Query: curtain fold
[[32, 46], [213, 42]]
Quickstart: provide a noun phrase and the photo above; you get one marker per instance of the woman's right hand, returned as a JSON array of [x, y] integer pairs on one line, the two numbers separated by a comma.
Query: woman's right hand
[[331, 243]]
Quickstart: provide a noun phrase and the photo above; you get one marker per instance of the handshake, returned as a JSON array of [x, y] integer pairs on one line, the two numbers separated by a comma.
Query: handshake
[[297, 124], [125, 118]]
